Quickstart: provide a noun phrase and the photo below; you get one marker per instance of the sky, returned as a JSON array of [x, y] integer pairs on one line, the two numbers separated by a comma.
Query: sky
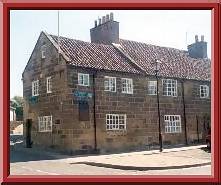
[[170, 28]]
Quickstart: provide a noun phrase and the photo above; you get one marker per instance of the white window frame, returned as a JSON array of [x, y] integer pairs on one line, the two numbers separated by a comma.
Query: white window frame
[[169, 90], [43, 54], [83, 83], [128, 89], [152, 87], [49, 84], [110, 84], [116, 121], [206, 91], [44, 123], [172, 124], [43, 51], [35, 88]]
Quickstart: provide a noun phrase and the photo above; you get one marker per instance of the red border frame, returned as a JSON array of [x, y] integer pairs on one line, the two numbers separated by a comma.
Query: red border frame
[[122, 4]]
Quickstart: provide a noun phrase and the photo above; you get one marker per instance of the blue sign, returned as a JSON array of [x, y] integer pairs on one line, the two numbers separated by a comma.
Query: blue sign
[[80, 94], [33, 99]]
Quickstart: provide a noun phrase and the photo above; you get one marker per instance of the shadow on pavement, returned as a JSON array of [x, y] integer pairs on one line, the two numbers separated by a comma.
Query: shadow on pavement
[[205, 149], [18, 153]]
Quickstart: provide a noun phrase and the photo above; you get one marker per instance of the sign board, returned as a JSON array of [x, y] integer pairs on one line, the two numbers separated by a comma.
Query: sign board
[[33, 99], [82, 95]]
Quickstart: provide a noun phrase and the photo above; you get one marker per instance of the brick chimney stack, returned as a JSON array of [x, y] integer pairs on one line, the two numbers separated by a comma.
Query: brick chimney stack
[[198, 49], [106, 31]]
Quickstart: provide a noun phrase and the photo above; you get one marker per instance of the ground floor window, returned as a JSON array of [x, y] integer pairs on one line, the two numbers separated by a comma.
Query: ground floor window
[[204, 91], [116, 121], [172, 123], [45, 124]]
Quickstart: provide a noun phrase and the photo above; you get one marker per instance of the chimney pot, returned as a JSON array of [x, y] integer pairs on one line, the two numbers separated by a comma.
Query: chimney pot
[[196, 38], [107, 17], [106, 33], [111, 16], [202, 38], [95, 23], [198, 49], [103, 19]]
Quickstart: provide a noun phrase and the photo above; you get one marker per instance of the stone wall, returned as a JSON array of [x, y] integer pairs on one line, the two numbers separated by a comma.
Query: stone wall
[[70, 134], [141, 110]]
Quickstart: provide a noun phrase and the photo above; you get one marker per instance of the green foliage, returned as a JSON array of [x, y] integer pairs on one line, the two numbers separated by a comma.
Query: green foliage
[[18, 102]]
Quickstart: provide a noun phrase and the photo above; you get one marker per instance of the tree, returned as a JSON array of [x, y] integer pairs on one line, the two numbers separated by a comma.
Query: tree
[[18, 103], [18, 100]]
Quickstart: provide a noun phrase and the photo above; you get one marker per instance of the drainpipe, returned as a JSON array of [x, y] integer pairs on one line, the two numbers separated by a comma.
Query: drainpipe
[[197, 129], [94, 106], [184, 112]]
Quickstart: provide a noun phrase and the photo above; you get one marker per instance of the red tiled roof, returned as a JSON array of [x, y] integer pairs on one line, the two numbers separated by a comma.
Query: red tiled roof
[[175, 63], [91, 55]]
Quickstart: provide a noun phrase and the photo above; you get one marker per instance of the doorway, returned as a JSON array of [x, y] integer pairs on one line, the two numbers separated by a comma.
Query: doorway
[[28, 133]]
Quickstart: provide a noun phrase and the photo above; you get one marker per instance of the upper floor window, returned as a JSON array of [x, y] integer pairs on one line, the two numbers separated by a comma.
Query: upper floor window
[[152, 87], [116, 121], [42, 54], [35, 88], [45, 124], [43, 51], [83, 79], [204, 91], [172, 123], [49, 85], [127, 85], [169, 87], [110, 83]]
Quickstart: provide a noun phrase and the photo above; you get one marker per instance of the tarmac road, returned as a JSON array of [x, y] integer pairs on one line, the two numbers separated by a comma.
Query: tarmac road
[[31, 162]]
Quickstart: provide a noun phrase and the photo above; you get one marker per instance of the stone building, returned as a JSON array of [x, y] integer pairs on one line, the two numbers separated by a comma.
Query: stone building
[[102, 96]]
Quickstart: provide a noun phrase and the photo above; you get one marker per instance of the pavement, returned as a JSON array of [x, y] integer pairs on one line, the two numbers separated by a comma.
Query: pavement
[[174, 158]]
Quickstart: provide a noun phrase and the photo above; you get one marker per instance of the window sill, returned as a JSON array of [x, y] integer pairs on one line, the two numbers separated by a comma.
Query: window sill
[[172, 132], [126, 93], [170, 96], [45, 131], [110, 91], [207, 98], [83, 85]]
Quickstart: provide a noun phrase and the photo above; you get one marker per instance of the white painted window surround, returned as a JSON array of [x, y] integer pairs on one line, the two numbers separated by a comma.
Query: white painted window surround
[[116, 121], [110, 84], [45, 124], [83, 79], [172, 123]]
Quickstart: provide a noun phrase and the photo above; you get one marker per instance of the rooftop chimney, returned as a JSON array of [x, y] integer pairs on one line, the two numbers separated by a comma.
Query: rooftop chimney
[[107, 31], [196, 38], [198, 49], [103, 19], [99, 19], [107, 18], [202, 38], [111, 16]]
